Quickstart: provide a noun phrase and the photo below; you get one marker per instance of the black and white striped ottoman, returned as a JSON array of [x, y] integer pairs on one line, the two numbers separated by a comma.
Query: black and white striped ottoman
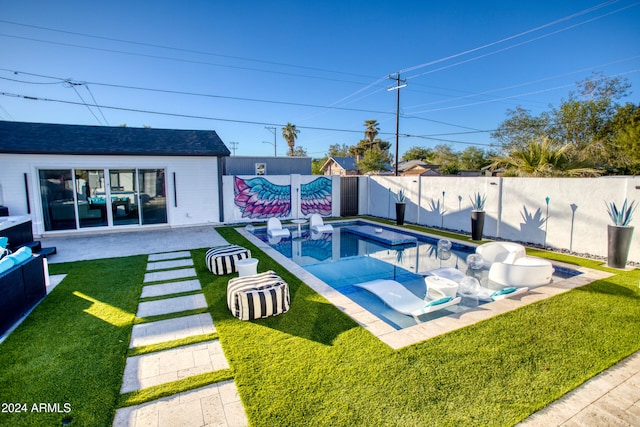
[[257, 296], [222, 259]]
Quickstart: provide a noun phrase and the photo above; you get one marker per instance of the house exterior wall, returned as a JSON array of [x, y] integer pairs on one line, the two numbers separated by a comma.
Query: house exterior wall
[[575, 219], [196, 184]]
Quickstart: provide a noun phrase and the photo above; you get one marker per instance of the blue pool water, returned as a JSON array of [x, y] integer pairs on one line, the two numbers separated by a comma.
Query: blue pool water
[[358, 252]]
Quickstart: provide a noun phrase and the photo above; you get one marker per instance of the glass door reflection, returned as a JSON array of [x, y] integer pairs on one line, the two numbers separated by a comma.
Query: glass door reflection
[[124, 196], [91, 198]]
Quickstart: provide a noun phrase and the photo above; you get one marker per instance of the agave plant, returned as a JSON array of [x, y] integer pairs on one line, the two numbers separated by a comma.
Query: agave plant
[[400, 197], [622, 216], [477, 201]]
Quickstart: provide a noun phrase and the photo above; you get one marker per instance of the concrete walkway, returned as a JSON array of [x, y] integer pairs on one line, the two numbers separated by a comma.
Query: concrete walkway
[[215, 404], [610, 399]]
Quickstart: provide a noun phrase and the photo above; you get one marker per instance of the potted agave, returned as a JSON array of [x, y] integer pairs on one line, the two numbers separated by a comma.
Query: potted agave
[[477, 215], [619, 234], [400, 207]]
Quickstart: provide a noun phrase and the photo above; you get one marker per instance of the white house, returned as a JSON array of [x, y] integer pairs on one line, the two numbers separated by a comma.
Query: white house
[[71, 178]]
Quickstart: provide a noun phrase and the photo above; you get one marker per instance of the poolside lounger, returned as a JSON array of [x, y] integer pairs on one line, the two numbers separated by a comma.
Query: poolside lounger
[[317, 225], [402, 300], [489, 295], [274, 228]]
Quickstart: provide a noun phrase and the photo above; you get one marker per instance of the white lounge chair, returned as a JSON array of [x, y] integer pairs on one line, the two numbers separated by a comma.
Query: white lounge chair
[[402, 300], [274, 229], [524, 271], [317, 225], [500, 251], [484, 294]]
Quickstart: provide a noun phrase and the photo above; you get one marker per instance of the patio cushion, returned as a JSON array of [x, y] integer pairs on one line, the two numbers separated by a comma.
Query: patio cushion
[[222, 260], [258, 296]]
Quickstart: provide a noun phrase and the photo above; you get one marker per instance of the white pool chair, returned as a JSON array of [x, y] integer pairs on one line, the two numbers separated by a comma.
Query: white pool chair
[[274, 228], [500, 251], [524, 271], [317, 225], [402, 300]]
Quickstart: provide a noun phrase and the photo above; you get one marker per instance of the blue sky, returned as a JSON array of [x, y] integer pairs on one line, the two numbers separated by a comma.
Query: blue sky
[[236, 67]]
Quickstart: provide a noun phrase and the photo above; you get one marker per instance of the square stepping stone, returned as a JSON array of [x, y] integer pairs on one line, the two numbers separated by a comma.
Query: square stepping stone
[[169, 255], [171, 329], [215, 404], [171, 305], [164, 276], [170, 288], [174, 263], [148, 370]]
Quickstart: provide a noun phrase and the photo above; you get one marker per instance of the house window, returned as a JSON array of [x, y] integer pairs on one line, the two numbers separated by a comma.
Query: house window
[[79, 198], [261, 168]]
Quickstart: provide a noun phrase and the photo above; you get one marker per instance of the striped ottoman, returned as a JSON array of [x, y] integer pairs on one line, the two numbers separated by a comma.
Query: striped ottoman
[[222, 260], [258, 296]]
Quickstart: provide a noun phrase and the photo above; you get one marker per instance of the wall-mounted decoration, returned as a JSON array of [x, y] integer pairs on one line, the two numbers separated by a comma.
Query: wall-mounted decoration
[[316, 197], [260, 198]]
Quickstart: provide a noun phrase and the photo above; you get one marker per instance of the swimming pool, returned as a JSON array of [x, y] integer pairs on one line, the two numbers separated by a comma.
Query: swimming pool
[[353, 254]]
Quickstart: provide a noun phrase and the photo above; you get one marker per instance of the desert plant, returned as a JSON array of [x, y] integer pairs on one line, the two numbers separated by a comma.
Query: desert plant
[[400, 197], [622, 216], [477, 201]]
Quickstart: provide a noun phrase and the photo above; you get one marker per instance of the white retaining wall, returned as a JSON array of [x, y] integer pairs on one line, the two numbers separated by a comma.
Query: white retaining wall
[[575, 218]]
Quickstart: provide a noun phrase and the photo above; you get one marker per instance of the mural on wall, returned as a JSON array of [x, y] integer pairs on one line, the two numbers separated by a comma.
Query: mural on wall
[[316, 197], [260, 198]]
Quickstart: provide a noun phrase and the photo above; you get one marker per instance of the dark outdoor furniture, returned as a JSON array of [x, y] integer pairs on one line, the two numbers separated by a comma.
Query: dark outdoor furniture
[[21, 288]]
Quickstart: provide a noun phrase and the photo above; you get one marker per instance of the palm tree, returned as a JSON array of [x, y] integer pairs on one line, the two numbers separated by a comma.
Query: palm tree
[[290, 133], [541, 158], [372, 127]]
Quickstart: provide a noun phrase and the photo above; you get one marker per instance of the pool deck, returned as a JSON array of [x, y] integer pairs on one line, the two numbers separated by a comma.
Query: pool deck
[[397, 339], [611, 398]]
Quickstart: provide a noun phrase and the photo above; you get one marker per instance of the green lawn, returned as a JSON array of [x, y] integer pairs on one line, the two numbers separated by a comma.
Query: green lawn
[[314, 365]]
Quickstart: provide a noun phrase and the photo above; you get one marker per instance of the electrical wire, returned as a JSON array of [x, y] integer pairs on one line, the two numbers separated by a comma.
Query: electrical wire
[[190, 116]]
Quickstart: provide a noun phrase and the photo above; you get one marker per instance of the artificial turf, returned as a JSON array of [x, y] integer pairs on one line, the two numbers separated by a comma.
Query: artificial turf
[[314, 365]]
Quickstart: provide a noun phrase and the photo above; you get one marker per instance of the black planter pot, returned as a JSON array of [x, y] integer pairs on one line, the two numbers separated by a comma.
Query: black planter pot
[[477, 224], [400, 207], [619, 239]]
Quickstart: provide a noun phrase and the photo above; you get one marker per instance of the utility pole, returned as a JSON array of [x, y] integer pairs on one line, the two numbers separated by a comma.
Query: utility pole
[[273, 129], [234, 145], [399, 85]]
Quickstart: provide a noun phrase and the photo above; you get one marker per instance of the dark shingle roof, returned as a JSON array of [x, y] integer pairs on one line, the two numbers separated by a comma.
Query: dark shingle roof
[[346, 163], [44, 138]]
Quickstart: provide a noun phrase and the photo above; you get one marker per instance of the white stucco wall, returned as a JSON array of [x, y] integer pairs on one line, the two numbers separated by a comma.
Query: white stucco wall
[[196, 183], [581, 231], [233, 213]]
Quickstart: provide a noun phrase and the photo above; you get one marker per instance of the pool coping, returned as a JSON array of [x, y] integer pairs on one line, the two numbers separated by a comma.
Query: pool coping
[[397, 339]]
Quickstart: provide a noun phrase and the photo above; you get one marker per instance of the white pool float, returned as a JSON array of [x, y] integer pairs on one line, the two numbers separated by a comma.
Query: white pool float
[[525, 271], [500, 252]]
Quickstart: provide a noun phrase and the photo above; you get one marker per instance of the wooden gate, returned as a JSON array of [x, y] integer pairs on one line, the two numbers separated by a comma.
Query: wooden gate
[[349, 196]]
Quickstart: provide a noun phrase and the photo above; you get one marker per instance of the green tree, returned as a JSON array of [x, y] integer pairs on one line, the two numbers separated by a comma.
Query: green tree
[[584, 123], [337, 150], [290, 134], [447, 158], [372, 128], [472, 158], [298, 152], [418, 153], [626, 139], [373, 161], [541, 158], [520, 127]]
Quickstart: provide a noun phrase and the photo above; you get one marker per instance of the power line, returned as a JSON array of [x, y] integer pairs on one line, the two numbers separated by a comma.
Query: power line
[[190, 116], [184, 50], [176, 92], [190, 61]]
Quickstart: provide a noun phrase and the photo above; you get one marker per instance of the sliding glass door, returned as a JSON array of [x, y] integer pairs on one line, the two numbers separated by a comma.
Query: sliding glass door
[[81, 198]]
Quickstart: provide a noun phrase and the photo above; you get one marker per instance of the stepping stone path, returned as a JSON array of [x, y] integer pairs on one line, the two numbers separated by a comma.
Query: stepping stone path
[[215, 404]]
